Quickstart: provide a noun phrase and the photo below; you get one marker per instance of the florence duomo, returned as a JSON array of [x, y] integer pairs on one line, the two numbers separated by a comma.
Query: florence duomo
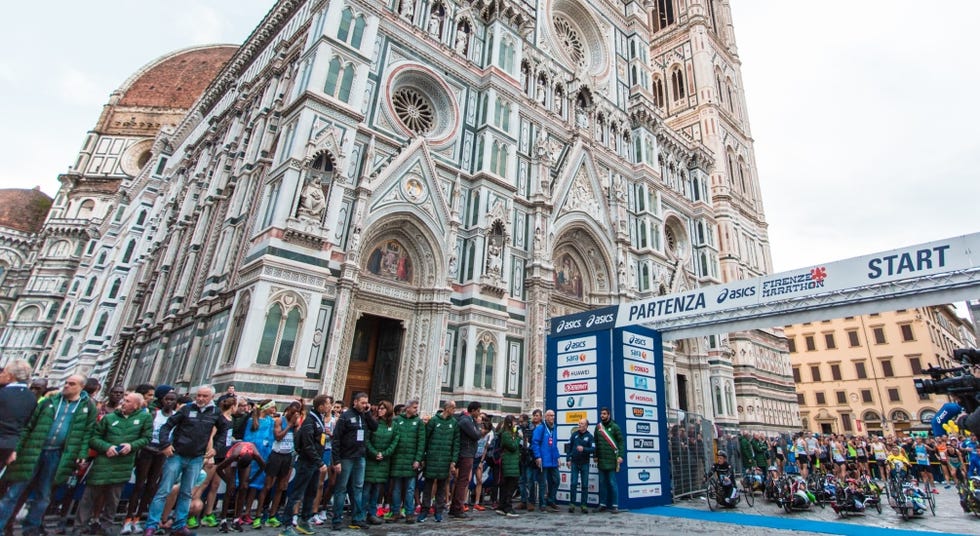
[[396, 197]]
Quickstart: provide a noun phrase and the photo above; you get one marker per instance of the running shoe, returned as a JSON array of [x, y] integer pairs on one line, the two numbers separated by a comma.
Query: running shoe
[[209, 520]]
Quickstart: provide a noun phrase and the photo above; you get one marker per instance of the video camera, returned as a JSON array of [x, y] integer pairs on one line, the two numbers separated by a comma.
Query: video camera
[[958, 382]]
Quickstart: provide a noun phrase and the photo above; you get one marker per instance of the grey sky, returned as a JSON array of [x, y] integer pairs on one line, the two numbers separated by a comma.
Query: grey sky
[[864, 116]]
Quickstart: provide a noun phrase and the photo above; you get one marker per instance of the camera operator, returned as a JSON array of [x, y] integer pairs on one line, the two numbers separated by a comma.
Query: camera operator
[[962, 386]]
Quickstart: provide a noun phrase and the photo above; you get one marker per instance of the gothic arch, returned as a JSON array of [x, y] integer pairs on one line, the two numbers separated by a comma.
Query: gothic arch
[[415, 241], [583, 269]]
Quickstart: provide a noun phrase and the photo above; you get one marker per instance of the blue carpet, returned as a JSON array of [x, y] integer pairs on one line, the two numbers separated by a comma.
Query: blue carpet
[[784, 523]]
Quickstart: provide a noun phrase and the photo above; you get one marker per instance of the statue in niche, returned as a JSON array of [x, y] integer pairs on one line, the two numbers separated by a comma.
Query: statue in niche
[[495, 249], [407, 9], [494, 262], [312, 201], [435, 22], [452, 265], [462, 39], [541, 89]]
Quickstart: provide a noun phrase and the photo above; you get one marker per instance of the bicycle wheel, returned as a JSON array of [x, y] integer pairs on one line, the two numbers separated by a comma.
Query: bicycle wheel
[[749, 496], [931, 499], [710, 497], [878, 505]]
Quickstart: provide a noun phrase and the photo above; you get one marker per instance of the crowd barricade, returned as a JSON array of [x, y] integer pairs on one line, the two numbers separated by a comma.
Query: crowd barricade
[[690, 440]]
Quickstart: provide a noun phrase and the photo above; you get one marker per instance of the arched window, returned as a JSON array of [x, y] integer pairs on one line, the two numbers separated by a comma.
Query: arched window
[[658, 92], [114, 289], [485, 356], [29, 314], [238, 326], [128, 255], [677, 83], [351, 30], [729, 399], [340, 79], [78, 318], [101, 260], [85, 209], [741, 175], [91, 286], [66, 346], [719, 409], [731, 96], [141, 219], [59, 248], [282, 323], [100, 327]]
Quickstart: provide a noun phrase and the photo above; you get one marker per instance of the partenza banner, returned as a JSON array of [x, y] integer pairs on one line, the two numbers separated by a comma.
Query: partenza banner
[[933, 258]]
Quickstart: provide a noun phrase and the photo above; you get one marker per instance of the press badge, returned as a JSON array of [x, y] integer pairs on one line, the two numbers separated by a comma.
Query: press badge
[[360, 435]]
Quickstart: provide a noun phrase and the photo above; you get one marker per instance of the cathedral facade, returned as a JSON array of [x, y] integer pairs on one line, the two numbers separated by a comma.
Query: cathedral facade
[[396, 196]]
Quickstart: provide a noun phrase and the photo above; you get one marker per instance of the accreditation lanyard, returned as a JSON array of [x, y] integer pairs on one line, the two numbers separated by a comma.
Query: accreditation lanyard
[[323, 434]]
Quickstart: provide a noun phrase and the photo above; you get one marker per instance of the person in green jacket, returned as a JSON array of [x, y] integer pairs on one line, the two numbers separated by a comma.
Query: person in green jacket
[[441, 452], [609, 450], [380, 444], [116, 440], [406, 460], [52, 445], [510, 465]]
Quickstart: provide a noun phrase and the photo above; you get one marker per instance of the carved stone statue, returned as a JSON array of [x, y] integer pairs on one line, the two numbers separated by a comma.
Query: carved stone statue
[[494, 262], [435, 23], [541, 90], [462, 40], [312, 202], [407, 9]]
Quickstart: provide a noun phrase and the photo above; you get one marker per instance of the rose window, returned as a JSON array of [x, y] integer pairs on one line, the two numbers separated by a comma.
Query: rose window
[[570, 39], [671, 239], [413, 110]]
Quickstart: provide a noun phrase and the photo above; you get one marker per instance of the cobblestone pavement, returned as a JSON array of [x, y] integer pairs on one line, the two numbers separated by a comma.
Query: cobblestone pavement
[[685, 517]]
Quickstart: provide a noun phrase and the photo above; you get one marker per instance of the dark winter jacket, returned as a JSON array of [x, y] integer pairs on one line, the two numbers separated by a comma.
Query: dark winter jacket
[[580, 439], [605, 454], [510, 456], [410, 446], [469, 434], [310, 440], [17, 404], [383, 441], [349, 434], [441, 445], [188, 430], [36, 433], [115, 429]]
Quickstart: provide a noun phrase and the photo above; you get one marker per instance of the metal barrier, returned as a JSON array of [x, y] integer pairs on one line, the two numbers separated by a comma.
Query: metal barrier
[[690, 443]]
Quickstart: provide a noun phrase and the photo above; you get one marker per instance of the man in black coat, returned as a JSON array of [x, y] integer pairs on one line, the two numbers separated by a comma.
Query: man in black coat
[[185, 439], [349, 434], [310, 440], [17, 403], [469, 434]]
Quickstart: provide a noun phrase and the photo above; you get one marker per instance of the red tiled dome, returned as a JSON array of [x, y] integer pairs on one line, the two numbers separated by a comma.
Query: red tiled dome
[[176, 80], [23, 210]]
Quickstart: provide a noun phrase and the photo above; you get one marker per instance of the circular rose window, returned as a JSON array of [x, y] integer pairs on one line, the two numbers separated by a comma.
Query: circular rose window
[[570, 39], [421, 103], [413, 110]]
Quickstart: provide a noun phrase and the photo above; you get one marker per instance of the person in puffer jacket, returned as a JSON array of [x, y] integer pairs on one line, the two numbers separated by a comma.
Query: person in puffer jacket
[[116, 440], [544, 444]]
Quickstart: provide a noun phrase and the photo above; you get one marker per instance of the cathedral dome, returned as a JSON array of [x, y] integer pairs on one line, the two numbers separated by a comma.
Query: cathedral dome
[[23, 210], [175, 80]]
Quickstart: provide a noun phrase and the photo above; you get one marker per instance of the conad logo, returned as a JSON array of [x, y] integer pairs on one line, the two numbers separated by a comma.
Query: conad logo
[[639, 368]]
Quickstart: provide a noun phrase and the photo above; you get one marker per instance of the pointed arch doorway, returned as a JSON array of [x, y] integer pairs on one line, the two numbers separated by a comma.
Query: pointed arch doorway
[[374, 358]]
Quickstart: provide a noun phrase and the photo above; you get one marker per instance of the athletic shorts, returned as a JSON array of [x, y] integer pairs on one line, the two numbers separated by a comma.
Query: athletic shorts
[[862, 459], [802, 459], [279, 465]]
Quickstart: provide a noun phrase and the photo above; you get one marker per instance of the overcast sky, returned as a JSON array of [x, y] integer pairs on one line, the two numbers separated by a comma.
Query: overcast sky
[[865, 117]]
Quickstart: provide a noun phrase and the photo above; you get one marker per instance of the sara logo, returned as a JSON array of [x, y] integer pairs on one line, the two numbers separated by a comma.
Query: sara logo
[[640, 369], [736, 293], [639, 354], [574, 345], [576, 387], [575, 358], [643, 428], [644, 475]]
